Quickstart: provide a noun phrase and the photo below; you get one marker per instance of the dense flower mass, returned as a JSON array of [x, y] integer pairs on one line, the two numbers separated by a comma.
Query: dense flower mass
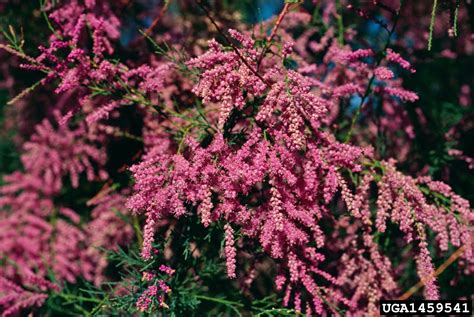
[[299, 186], [191, 162]]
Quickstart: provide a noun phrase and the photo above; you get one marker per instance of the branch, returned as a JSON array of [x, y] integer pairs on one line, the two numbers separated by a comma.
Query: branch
[[372, 78], [158, 17], [236, 50], [438, 271], [269, 39]]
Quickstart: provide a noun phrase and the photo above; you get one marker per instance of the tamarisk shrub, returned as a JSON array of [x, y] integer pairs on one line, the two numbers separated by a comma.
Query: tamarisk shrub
[[206, 166], [290, 169], [40, 237]]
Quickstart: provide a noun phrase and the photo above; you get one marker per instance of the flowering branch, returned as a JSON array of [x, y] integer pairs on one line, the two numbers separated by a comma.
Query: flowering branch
[[236, 50], [236, 173], [455, 256], [269, 38], [368, 90]]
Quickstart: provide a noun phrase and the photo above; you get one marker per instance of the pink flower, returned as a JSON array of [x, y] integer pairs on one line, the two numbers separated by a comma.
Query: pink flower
[[404, 95], [230, 252], [383, 73], [396, 58]]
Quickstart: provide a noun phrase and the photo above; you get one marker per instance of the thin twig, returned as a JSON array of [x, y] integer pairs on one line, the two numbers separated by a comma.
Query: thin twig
[[236, 50], [21, 55], [385, 7], [285, 10], [364, 14], [432, 22], [25, 92], [372, 78], [269, 39], [158, 17], [455, 22], [438, 271]]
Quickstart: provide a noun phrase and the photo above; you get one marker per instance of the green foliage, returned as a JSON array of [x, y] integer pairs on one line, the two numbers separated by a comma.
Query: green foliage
[[9, 156], [197, 253]]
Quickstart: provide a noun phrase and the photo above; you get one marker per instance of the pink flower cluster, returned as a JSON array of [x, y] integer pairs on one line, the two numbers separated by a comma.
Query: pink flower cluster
[[155, 292], [234, 76], [16, 298], [278, 185], [39, 235], [246, 137]]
